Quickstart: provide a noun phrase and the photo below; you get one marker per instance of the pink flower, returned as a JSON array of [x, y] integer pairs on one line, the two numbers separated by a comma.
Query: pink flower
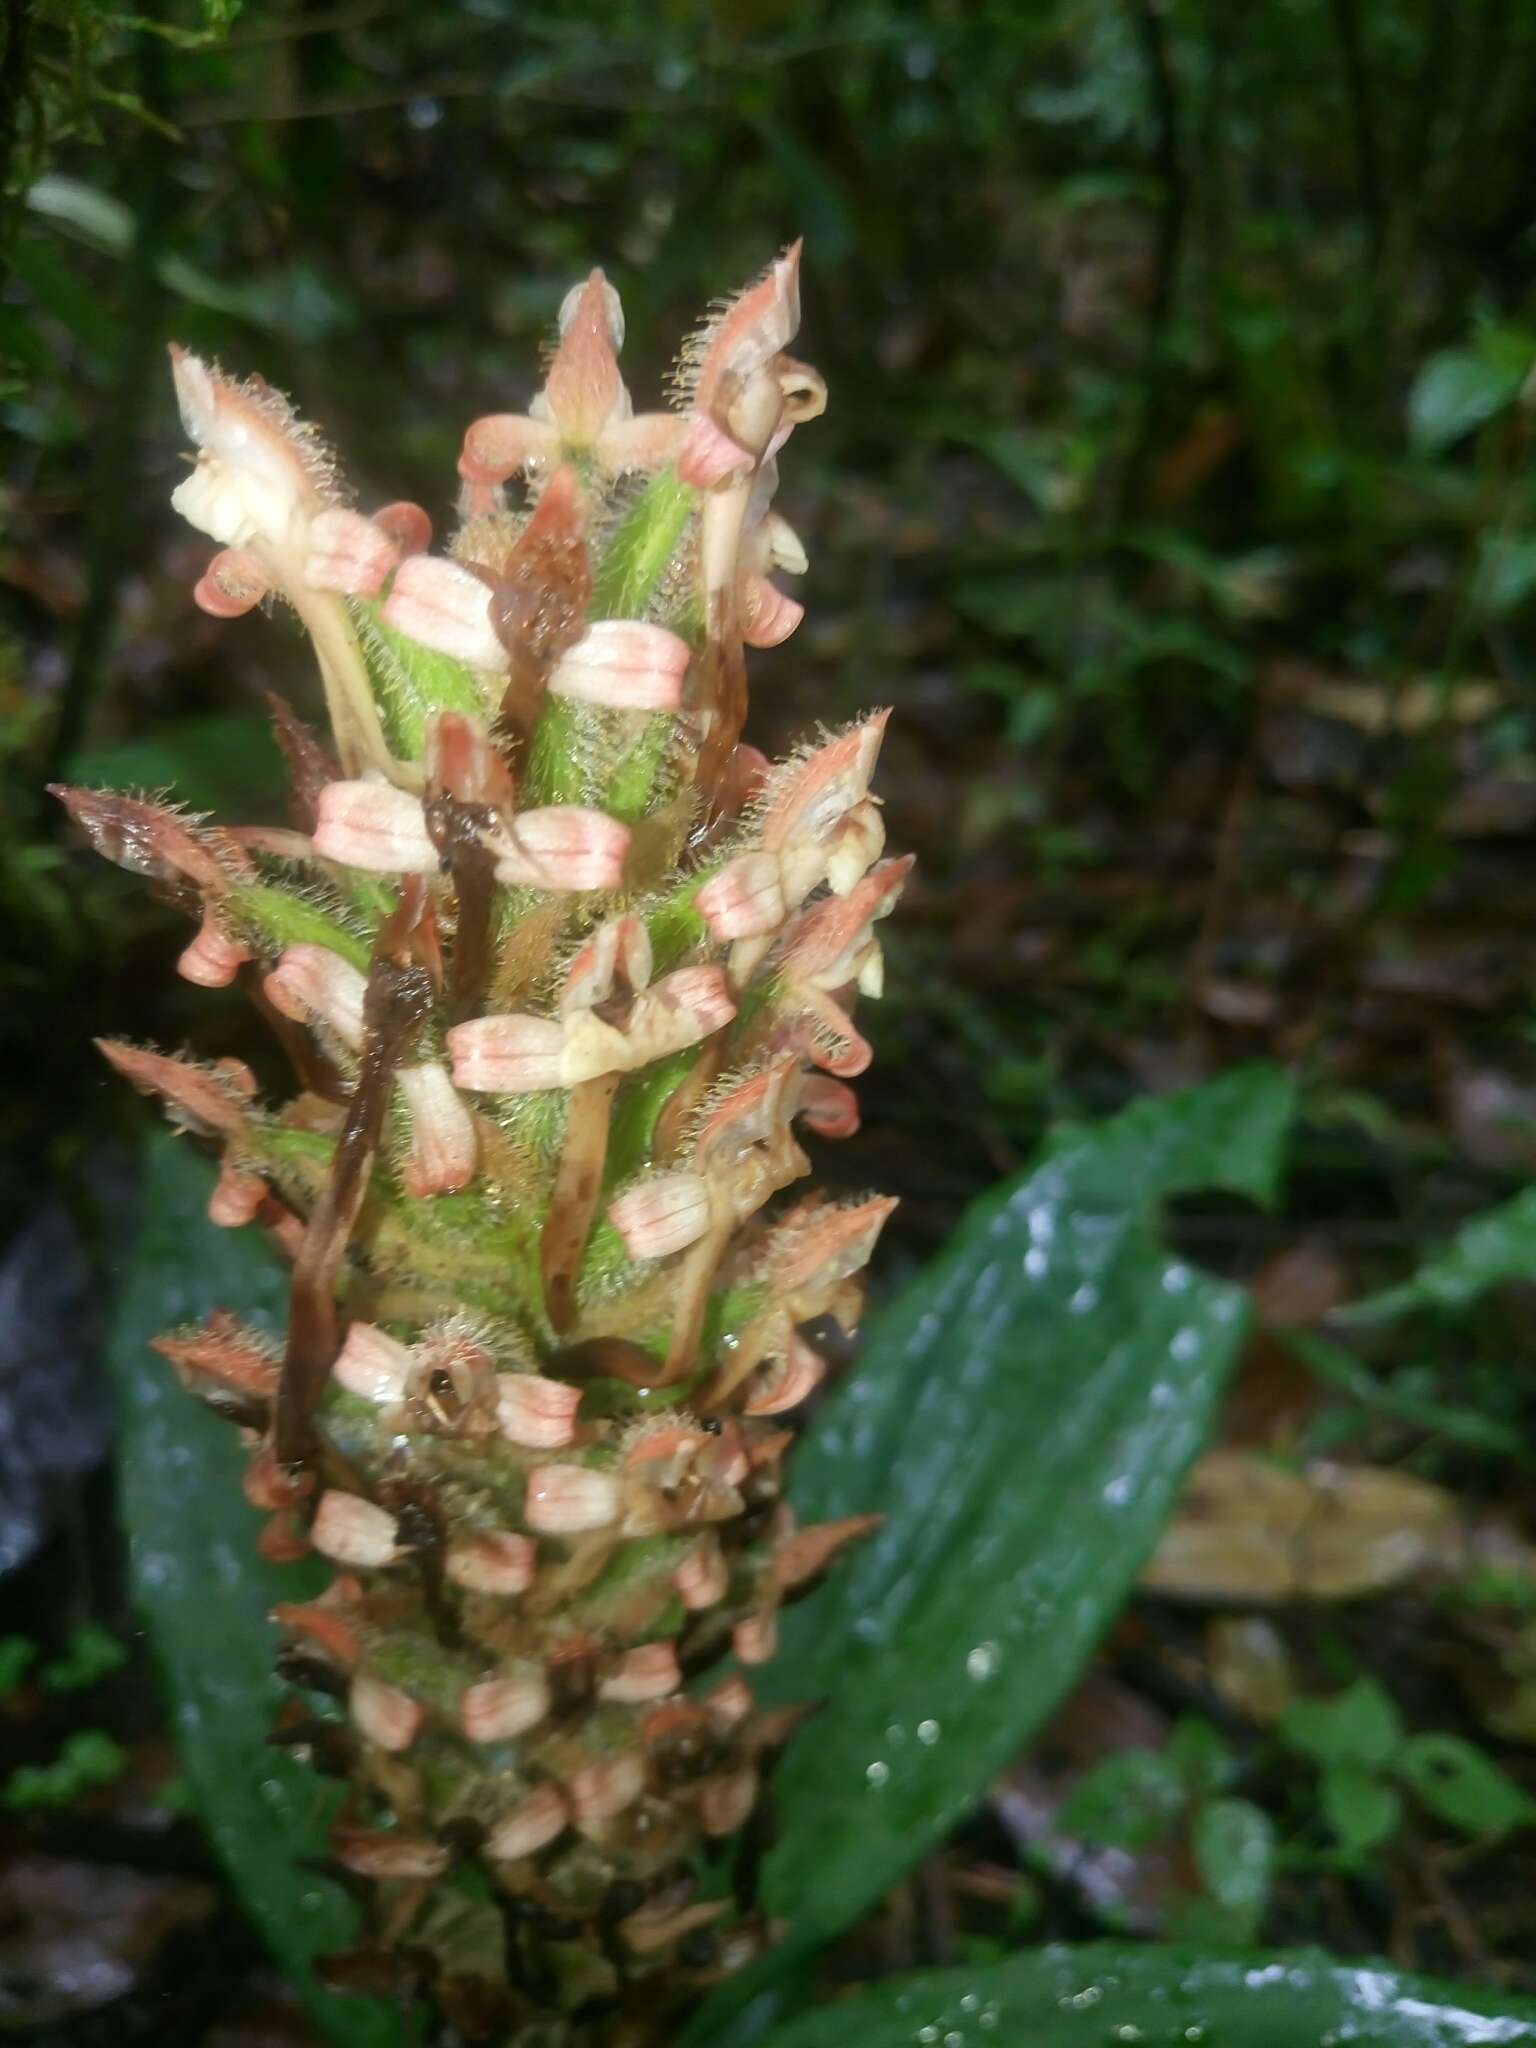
[[601, 1791], [383, 1714], [530, 1826], [662, 1215], [626, 666], [819, 1243], [373, 1365], [492, 1561], [506, 1055], [745, 899], [311, 982], [259, 475], [648, 1672], [447, 608], [755, 1639], [569, 1500], [348, 553], [770, 616], [562, 846], [703, 1578], [673, 1013], [793, 1379], [236, 1197], [407, 525], [832, 942], [499, 1708], [583, 405], [354, 1531], [375, 826], [617, 954], [535, 1411], [233, 583], [444, 1150], [213, 959]]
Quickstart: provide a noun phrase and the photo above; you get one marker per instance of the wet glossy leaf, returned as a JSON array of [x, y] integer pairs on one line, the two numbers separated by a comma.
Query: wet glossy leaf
[[1023, 1415], [1457, 1782], [1163, 1997], [204, 1590], [1357, 1726], [1498, 1245]]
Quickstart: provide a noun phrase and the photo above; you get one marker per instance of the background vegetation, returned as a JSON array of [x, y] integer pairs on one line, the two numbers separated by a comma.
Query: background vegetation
[[1177, 491]]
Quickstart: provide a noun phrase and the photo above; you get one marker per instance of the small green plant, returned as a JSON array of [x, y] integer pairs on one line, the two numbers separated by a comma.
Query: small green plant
[[1181, 1794], [89, 1758], [1367, 1761]]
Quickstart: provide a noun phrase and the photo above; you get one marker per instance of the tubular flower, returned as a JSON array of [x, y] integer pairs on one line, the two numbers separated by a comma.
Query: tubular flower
[[564, 964]]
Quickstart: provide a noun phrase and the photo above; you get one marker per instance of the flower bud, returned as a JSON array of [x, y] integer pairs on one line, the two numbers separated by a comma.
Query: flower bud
[[625, 666], [354, 1531], [569, 1500], [375, 826], [730, 1703], [617, 955], [236, 1197], [233, 583], [648, 1672], [830, 1108], [213, 959], [407, 525], [769, 615], [444, 1151], [348, 553], [725, 1803], [755, 1639], [537, 1412], [256, 477], [531, 1825], [499, 1708], [447, 608], [311, 982], [744, 899], [506, 1055], [561, 847], [372, 1365], [603, 1790], [662, 1215], [703, 1578], [789, 1381], [491, 1561], [383, 1714], [389, 1855]]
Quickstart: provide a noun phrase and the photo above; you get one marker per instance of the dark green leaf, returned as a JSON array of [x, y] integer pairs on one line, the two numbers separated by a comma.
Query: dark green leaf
[[205, 1591], [1457, 1782], [1357, 1726], [1023, 1416], [1233, 1844], [1125, 1802], [1498, 1245], [1163, 1997], [1455, 392], [1361, 1808]]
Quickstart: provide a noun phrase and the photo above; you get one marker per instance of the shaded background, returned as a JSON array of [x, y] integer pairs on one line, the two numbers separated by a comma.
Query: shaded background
[[1175, 490]]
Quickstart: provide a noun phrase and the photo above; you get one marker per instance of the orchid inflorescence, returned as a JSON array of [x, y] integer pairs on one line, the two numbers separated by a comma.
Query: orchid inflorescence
[[561, 964]]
